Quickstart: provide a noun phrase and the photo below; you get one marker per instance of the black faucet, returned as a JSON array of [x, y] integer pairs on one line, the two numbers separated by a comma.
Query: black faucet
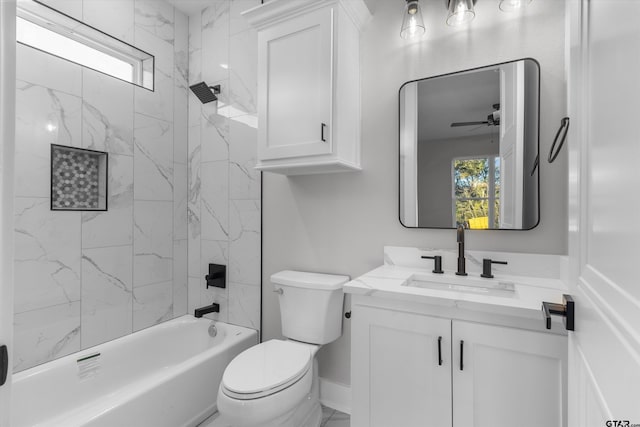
[[460, 239], [213, 308]]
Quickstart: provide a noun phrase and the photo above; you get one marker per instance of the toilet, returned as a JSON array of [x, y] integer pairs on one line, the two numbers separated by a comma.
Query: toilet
[[275, 383]]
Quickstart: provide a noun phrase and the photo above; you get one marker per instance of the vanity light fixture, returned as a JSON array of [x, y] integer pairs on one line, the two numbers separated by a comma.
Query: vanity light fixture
[[460, 12], [513, 5], [412, 22]]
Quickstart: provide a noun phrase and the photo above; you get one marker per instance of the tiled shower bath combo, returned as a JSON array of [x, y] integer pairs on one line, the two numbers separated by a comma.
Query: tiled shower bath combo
[[109, 263]]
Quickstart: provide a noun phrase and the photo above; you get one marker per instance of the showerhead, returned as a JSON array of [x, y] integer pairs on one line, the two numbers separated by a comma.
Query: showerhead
[[204, 92]]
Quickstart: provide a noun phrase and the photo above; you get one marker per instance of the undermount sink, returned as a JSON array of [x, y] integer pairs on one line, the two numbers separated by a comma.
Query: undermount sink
[[461, 284]]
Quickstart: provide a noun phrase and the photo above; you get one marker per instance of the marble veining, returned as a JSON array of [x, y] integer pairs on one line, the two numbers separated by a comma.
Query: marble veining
[[42, 335], [115, 226], [214, 200], [180, 277], [244, 305], [153, 242], [43, 116], [244, 179], [215, 42], [180, 202], [159, 103], [155, 17], [471, 292], [62, 76], [224, 190], [153, 159], [107, 294], [47, 255], [153, 304], [107, 113], [244, 245], [214, 134], [85, 278], [243, 67]]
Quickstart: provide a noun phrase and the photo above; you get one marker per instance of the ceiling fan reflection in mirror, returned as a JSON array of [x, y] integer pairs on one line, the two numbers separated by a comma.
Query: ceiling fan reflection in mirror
[[493, 119]]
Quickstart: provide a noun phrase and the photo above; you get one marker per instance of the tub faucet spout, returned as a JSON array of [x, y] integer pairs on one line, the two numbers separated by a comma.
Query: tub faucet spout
[[213, 308], [460, 239]]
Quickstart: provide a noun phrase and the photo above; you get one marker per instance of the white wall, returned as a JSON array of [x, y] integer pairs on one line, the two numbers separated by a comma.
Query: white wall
[[82, 278], [339, 223]]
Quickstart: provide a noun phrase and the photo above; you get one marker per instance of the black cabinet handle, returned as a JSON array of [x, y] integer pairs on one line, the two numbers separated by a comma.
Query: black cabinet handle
[[461, 355], [4, 364], [322, 126], [439, 351]]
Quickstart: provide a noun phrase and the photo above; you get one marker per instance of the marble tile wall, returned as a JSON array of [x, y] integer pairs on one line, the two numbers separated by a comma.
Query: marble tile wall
[[83, 278], [224, 209]]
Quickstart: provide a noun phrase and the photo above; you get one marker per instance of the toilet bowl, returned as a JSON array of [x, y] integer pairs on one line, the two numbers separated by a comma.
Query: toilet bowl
[[272, 384], [275, 383]]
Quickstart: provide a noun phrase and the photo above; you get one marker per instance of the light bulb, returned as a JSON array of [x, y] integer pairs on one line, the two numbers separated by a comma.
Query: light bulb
[[412, 23]]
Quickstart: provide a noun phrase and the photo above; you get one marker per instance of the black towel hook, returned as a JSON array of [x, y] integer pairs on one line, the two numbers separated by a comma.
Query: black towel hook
[[564, 124]]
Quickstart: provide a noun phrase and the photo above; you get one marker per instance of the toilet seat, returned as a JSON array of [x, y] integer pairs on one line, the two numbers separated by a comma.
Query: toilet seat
[[266, 369]]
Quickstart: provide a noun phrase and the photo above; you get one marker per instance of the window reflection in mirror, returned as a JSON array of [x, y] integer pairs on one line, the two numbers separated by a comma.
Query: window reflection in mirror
[[476, 192], [468, 146]]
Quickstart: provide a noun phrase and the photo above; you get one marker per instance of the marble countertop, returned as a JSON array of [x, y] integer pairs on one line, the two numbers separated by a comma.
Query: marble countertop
[[390, 280]]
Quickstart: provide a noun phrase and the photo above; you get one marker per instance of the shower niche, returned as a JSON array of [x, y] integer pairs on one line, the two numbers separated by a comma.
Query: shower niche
[[78, 179]]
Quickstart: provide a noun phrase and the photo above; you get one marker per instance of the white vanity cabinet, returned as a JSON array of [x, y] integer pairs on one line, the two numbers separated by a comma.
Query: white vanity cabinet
[[482, 375], [308, 85]]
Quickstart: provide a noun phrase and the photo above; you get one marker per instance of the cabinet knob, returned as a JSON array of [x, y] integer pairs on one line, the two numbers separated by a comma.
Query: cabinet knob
[[4, 364], [322, 126]]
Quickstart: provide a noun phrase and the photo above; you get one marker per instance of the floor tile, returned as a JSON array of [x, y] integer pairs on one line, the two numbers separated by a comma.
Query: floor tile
[[338, 419], [330, 418], [214, 421]]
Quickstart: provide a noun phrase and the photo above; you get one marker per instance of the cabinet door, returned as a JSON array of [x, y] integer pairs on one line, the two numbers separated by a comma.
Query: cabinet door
[[508, 377], [294, 88], [397, 379]]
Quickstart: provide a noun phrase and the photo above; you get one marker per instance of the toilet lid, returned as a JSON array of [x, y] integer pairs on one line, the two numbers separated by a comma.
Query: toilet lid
[[271, 365]]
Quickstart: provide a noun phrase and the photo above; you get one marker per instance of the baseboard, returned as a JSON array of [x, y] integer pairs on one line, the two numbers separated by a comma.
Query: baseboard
[[335, 395]]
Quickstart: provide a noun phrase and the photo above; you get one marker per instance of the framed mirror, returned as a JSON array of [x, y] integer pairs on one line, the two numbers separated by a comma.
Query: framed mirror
[[469, 148]]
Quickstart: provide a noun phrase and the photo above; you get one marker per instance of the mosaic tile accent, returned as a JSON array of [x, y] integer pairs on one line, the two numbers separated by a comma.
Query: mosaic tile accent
[[78, 179]]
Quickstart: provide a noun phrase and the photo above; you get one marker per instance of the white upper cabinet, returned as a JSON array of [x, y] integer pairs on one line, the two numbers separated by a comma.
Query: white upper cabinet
[[308, 85]]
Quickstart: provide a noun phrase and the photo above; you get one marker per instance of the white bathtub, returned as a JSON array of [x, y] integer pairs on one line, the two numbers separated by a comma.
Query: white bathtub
[[167, 375]]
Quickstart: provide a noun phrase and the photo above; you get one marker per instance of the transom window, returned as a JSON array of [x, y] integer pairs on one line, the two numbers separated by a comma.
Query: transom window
[[50, 31]]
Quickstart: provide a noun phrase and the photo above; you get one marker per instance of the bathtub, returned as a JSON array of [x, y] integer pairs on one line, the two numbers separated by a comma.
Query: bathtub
[[166, 375]]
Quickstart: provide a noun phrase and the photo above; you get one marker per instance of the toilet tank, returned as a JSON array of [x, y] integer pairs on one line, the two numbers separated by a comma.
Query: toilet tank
[[310, 305]]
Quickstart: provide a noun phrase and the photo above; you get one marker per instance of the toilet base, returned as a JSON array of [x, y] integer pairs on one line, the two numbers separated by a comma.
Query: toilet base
[[308, 413]]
